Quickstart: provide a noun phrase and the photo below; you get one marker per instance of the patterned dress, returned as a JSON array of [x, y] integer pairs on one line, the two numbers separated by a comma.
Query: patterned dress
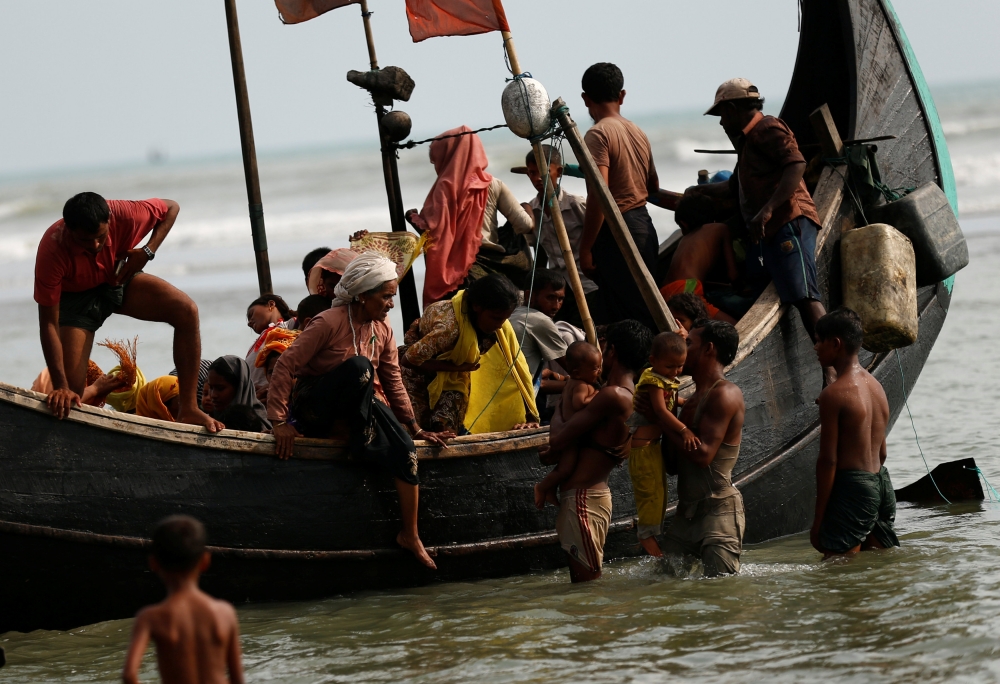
[[433, 334]]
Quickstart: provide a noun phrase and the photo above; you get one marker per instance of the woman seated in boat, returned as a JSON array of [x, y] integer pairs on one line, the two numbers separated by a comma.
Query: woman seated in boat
[[266, 312], [324, 276], [159, 398], [230, 391], [460, 218], [442, 355], [344, 367], [99, 385]]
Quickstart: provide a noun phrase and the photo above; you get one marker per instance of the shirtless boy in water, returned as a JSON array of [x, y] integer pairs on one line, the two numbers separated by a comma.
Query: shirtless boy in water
[[855, 502], [197, 637], [602, 438], [583, 361]]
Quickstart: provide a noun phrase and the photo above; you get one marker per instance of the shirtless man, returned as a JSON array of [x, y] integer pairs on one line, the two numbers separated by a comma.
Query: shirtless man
[[603, 439], [197, 637], [709, 523], [855, 502]]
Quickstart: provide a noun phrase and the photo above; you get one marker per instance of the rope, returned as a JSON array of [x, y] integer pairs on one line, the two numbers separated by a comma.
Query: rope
[[531, 284], [914, 426], [413, 143], [990, 491]]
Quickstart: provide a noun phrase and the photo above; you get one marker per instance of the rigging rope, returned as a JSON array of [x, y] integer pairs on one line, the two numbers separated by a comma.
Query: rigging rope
[[409, 145], [914, 426]]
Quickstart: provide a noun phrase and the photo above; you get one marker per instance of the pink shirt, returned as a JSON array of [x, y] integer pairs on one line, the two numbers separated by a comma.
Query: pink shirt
[[62, 266], [325, 344]]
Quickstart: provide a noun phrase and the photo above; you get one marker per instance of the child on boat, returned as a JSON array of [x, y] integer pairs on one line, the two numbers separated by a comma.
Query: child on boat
[[584, 365], [645, 463], [686, 308], [197, 637]]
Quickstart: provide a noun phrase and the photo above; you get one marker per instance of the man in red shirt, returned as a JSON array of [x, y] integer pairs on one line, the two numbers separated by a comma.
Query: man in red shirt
[[88, 267]]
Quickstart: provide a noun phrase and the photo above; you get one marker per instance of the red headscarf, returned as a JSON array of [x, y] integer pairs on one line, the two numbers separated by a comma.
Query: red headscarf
[[453, 211]]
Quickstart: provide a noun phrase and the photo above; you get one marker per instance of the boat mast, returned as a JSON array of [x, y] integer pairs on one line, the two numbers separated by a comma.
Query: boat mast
[[407, 285], [249, 151]]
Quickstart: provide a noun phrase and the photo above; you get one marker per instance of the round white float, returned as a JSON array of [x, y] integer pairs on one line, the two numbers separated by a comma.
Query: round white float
[[526, 107]]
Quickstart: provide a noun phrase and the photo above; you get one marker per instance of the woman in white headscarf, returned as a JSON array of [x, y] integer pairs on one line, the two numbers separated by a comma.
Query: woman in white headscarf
[[342, 374]]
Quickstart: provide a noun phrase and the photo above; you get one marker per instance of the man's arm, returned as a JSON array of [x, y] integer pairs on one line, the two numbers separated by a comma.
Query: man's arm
[[592, 221], [712, 190], [826, 464], [136, 259], [608, 402], [882, 453], [136, 649], [62, 398], [791, 176]]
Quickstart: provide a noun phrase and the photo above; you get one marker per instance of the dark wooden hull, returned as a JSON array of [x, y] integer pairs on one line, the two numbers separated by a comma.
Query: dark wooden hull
[[77, 498]]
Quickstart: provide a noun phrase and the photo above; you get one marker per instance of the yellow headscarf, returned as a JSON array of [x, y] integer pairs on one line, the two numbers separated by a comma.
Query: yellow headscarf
[[494, 410], [466, 350], [151, 399], [124, 400]]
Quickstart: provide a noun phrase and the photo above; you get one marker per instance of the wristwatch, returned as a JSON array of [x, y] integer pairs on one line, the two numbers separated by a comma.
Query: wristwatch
[[150, 254]]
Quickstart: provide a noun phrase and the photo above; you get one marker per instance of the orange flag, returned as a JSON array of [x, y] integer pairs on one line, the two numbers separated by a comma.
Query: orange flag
[[431, 18], [296, 11]]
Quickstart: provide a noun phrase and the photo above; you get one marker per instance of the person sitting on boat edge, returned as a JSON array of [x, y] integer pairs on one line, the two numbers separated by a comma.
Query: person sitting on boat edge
[[100, 385], [574, 210], [774, 202], [709, 522], [624, 158], [197, 637], [88, 267], [266, 312], [443, 350], [229, 384], [855, 502], [345, 365], [460, 216], [603, 440]]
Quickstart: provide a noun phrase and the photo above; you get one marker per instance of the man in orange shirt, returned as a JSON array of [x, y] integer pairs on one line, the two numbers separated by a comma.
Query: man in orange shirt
[[88, 266]]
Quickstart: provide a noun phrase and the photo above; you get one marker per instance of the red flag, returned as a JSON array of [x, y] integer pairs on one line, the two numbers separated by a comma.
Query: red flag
[[430, 18], [296, 11]]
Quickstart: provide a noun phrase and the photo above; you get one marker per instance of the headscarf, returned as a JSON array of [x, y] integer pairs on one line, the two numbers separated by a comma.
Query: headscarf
[[237, 372], [277, 341], [366, 272], [151, 400], [43, 383], [335, 262], [124, 400], [453, 211]]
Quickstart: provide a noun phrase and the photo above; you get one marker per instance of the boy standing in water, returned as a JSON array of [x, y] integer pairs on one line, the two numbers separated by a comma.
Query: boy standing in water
[[855, 502], [197, 637]]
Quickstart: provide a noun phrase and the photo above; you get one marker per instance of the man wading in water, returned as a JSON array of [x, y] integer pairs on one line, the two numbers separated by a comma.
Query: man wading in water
[[855, 503], [87, 268], [603, 439]]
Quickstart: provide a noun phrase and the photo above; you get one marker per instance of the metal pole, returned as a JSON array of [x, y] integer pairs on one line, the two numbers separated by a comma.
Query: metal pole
[[407, 286], [249, 151]]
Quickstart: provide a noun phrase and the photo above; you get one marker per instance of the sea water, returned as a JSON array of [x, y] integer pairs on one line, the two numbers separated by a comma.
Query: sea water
[[927, 611]]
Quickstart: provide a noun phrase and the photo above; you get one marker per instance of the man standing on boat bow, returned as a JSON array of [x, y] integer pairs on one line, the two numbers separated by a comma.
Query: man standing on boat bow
[[88, 266]]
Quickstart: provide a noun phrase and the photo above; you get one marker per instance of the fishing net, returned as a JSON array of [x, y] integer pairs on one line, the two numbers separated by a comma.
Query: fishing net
[[125, 350]]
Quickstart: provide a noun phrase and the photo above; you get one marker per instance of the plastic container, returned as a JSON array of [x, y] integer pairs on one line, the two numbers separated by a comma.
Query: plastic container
[[925, 216], [879, 283]]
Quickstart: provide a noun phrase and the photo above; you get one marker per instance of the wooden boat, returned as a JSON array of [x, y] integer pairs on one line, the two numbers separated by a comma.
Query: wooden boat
[[78, 497]]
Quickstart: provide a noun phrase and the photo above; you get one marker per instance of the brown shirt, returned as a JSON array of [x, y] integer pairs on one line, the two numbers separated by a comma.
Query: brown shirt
[[766, 146], [620, 145], [325, 344]]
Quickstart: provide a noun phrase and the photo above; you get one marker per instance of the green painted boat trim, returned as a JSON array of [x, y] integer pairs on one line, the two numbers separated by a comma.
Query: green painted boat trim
[[945, 171]]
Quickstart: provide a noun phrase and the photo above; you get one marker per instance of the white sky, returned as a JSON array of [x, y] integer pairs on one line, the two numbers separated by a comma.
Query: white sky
[[85, 84]]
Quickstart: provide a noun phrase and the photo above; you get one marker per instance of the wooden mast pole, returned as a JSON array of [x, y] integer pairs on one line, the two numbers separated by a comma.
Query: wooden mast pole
[[407, 285], [256, 207], [636, 266], [556, 213]]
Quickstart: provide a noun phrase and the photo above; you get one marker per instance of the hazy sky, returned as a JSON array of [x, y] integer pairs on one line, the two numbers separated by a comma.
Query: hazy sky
[[103, 82]]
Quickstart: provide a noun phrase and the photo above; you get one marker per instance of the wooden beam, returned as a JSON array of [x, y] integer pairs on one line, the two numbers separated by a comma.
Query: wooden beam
[[615, 221], [826, 132]]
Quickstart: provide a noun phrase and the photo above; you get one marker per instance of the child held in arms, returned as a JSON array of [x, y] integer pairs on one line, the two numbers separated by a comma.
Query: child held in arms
[[197, 637], [645, 463], [584, 364]]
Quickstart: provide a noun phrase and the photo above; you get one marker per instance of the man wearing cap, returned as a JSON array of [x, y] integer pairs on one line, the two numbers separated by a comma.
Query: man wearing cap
[[773, 199]]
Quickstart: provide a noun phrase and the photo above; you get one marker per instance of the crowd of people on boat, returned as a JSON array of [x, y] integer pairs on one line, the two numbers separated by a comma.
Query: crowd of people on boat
[[500, 344]]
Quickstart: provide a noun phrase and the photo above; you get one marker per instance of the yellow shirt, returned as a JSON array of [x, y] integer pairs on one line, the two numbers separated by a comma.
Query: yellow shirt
[[650, 378]]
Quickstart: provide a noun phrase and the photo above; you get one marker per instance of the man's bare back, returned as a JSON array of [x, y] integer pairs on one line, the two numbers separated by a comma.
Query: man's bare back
[[862, 414], [697, 253]]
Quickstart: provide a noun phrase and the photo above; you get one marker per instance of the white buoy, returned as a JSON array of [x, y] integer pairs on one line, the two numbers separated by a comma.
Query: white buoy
[[526, 107]]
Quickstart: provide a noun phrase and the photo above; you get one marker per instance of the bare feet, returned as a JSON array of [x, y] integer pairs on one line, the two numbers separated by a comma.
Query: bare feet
[[416, 547], [199, 417], [651, 546]]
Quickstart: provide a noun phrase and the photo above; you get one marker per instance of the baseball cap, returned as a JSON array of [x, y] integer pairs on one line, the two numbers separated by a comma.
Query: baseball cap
[[733, 89]]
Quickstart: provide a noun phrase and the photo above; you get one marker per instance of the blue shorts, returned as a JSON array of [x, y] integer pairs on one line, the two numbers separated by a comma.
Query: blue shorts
[[789, 258]]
